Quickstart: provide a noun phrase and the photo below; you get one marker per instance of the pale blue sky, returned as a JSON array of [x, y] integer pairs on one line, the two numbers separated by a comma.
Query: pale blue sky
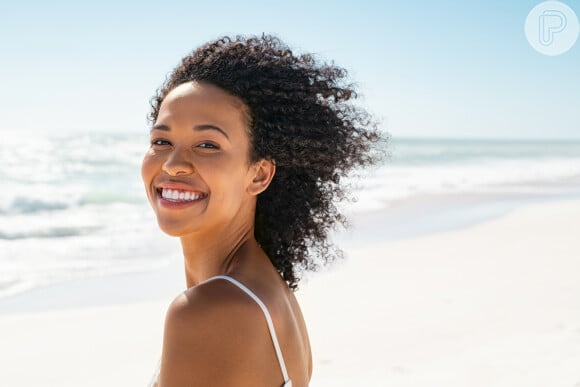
[[451, 69]]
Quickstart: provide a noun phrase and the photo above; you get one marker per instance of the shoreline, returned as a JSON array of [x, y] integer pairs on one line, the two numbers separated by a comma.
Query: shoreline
[[429, 214]]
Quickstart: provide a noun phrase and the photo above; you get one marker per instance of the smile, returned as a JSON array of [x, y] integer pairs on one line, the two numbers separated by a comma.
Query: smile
[[180, 196]]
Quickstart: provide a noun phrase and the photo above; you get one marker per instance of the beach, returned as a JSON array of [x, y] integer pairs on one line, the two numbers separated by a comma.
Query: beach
[[495, 302], [445, 134]]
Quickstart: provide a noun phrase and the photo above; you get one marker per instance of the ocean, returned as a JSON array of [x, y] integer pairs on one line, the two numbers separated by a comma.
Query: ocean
[[73, 205]]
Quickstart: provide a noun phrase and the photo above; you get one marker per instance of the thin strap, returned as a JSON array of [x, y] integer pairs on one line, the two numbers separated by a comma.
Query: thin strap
[[287, 382]]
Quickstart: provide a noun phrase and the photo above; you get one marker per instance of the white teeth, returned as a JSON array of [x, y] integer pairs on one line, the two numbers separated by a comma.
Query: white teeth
[[175, 195]]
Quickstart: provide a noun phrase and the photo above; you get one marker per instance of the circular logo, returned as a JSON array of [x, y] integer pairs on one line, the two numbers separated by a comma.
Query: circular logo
[[552, 28]]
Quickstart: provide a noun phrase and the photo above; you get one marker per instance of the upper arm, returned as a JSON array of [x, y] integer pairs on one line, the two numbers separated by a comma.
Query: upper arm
[[210, 340]]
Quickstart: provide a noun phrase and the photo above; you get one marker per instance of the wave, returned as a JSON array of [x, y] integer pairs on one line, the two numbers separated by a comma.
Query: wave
[[109, 198], [24, 205], [54, 232], [13, 286], [28, 205]]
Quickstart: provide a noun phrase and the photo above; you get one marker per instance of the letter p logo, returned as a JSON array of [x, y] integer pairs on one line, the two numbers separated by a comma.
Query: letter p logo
[[552, 28], [551, 22]]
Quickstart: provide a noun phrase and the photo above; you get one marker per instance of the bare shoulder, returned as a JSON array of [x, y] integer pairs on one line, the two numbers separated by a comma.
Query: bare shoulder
[[215, 335]]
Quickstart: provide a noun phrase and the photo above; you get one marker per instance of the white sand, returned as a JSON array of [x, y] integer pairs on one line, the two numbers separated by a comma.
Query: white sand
[[496, 304], [104, 346]]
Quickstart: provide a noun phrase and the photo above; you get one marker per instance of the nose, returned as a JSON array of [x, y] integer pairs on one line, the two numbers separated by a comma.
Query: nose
[[178, 164]]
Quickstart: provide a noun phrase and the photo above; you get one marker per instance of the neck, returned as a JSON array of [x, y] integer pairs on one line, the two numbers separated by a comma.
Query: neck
[[207, 256]]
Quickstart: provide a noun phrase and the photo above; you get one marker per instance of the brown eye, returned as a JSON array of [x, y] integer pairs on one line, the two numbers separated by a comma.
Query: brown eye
[[160, 142], [208, 145]]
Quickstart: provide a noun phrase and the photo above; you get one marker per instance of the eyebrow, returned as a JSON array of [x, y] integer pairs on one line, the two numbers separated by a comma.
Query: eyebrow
[[196, 127]]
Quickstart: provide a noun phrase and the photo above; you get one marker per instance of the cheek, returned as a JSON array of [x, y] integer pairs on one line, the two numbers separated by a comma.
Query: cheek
[[145, 166], [228, 185]]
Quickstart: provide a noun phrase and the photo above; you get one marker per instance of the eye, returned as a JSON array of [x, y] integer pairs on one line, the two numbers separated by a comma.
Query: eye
[[160, 142], [208, 145]]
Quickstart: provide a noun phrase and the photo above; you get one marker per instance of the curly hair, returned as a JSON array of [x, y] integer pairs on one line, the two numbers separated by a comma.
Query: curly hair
[[301, 117]]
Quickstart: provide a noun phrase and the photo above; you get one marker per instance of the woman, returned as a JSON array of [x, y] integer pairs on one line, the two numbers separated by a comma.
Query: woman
[[248, 146]]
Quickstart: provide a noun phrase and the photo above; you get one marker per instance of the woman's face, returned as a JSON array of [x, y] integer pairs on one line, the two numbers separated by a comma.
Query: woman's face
[[197, 172]]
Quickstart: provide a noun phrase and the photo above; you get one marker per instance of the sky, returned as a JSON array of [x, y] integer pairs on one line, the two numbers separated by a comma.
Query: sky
[[446, 69]]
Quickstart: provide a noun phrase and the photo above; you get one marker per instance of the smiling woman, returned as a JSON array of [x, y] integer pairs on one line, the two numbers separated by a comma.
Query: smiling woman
[[200, 147], [248, 147]]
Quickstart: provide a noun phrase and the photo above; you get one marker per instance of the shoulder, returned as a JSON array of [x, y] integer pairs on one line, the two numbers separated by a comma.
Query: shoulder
[[214, 333], [206, 307]]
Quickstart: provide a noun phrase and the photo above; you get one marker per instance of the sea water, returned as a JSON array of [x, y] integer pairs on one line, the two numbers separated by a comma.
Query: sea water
[[73, 206]]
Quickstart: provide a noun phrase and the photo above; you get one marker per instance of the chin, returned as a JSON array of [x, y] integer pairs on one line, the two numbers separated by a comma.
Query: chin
[[173, 230], [172, 233]]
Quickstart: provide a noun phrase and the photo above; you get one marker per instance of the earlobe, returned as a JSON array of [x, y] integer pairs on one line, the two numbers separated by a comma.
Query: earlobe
[[264, 173]]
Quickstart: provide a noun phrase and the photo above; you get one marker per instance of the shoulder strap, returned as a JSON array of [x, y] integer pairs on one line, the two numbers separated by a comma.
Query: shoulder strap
[[287, 381]]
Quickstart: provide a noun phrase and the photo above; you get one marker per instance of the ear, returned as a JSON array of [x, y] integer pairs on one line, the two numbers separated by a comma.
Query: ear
[[262, 173]]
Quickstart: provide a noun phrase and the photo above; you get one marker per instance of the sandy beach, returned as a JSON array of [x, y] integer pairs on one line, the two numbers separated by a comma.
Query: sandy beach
[[446, 133], [492, 304]]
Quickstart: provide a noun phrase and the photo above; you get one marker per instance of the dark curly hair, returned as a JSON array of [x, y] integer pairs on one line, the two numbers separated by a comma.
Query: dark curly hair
[[300, 116]]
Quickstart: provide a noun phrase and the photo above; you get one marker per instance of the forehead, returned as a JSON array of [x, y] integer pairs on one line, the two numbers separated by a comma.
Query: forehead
[[195, 98]]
